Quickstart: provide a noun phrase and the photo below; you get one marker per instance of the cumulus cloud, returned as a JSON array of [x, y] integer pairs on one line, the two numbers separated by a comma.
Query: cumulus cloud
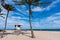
[[37, 9]]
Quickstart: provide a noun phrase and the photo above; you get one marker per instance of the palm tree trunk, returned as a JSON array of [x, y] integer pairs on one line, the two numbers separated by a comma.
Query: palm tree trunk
[[5, 22], [30, 14]]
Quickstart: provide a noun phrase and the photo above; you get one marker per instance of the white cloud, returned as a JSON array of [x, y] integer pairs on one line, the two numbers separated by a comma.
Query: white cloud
[[37, 9], [36, 25], [23, 6], [53, 4], [23, 11], [16, 20], [49, 22], [12, 21]]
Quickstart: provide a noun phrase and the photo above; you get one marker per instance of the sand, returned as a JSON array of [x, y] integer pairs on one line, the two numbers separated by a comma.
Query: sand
[[39, 35]]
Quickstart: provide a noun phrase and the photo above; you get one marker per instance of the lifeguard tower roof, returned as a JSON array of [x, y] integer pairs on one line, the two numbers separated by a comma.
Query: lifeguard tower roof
[[18, 25]]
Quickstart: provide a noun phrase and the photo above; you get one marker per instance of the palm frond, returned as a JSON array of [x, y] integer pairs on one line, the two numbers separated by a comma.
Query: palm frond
[[2, 14], [2, 17], [2, 1], [0, 10], [40, 3], [36, 0], [36, 4], [8, 7], [45, 2], [20, 2]]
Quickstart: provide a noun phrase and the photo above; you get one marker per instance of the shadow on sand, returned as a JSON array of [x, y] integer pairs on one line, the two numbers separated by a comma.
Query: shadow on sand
[[15, 33]]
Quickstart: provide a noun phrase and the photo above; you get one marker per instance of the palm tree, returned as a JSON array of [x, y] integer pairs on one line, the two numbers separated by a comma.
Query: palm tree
[[8, 7], [30, 3]]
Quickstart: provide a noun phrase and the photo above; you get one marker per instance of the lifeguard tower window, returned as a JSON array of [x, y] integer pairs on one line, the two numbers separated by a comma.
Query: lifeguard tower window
[[15, 25], [19, 25]]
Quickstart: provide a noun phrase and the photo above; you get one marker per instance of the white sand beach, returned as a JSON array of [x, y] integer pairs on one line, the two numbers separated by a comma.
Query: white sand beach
[[39, 35]]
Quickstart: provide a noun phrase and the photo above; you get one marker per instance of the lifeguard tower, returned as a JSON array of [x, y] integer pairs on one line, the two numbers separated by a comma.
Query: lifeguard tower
[[18, 28]]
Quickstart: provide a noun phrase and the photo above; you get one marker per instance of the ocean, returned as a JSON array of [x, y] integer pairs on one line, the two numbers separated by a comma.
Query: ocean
[[37, 29]]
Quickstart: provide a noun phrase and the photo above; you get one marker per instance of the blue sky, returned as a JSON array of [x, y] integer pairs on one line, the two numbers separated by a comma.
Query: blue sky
[[44, 17]]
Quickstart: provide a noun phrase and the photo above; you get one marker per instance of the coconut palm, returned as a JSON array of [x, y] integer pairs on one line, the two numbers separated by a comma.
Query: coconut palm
[[8, 7], [30, 3]]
